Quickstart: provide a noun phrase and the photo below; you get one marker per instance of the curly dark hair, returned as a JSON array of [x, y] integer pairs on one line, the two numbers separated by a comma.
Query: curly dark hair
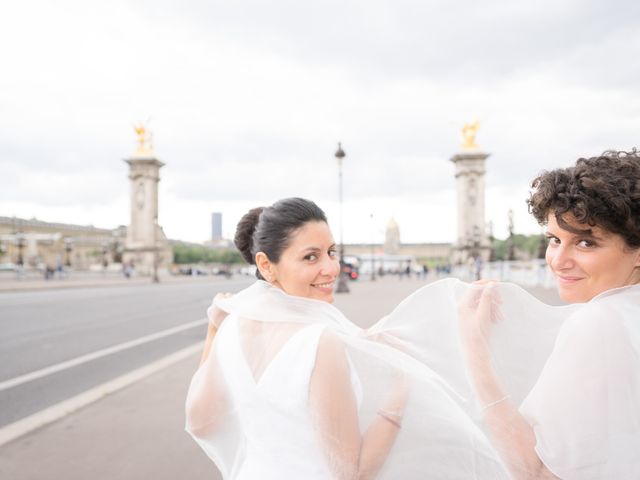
[[602, 191]]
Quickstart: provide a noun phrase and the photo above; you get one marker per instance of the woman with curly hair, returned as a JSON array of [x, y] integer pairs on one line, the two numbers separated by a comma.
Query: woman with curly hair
[[581, 419]]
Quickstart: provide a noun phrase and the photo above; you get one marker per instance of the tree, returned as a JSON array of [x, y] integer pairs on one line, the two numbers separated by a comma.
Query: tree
[[525, 246], [184, 254]]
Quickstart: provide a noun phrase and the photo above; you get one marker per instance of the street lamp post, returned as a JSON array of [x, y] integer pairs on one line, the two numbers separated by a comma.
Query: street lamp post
[[512, 247], [20, 241], [155, 250], [373, 251], [105, 261], [68, 246], [342, 283]]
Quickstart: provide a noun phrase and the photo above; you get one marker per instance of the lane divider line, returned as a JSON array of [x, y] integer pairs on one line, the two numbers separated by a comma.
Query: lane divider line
[[64, 408], [28, 377]]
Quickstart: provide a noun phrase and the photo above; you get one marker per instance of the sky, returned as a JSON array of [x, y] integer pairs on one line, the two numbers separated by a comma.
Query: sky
[[247, 101]]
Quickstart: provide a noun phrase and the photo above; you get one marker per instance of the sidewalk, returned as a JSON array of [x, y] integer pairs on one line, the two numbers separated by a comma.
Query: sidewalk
[[88, 280], [137, 432]]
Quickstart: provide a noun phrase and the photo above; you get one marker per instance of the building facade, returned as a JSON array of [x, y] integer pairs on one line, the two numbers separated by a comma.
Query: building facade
[[216, 226], [35, 243]]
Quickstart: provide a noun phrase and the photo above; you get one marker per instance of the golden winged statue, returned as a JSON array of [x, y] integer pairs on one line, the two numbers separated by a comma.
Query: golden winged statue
[[145, 145], [469, 132]]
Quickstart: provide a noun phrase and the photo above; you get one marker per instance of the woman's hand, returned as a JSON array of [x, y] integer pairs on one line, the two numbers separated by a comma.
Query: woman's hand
[[479, 310]]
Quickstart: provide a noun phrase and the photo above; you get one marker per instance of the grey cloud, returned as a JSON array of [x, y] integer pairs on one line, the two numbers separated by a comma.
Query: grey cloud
[[462, 42]]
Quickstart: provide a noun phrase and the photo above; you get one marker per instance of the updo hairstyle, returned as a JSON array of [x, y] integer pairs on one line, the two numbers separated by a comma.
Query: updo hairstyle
[[269, 229], [602, 191]]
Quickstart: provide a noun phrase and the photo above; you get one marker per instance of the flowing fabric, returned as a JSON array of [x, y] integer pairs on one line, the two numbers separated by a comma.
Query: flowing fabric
[[262, 405]]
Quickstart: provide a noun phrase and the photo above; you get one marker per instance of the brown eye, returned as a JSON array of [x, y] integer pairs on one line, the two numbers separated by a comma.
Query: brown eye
[[587, 243]]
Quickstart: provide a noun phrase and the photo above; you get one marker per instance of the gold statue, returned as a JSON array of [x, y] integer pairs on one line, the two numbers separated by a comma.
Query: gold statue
[[145, 145], [469, 132]]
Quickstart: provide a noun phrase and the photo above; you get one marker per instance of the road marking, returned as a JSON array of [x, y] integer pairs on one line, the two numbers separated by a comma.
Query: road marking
[[64, 408], [28, 377]]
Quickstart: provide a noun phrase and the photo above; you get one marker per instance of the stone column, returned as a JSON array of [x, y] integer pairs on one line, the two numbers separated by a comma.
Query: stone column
[[472, 239], [145, 238]]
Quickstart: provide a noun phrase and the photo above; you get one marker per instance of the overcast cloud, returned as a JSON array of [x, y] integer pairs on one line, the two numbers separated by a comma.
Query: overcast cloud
[[248, 100]]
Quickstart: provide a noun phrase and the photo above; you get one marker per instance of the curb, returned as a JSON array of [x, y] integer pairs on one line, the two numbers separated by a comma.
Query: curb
[[64, 408]]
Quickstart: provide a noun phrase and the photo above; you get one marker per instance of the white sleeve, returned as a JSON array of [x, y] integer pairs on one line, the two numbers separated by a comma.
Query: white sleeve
[[585, 407]]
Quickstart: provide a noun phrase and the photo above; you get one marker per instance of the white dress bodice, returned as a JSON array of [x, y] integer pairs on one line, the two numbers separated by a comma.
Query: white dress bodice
[[279, 440]]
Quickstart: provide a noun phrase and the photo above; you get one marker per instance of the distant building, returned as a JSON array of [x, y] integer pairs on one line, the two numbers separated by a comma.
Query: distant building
[[35, 243], [392, 238], [393, 254], [420, 252], [216, 226]]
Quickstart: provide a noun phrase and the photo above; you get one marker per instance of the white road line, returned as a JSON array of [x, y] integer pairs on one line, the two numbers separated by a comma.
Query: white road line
[[59, 410], [28, 377]]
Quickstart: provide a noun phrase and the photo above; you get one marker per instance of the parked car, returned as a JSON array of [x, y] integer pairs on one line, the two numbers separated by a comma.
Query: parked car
[[194, 271], [351, 270]]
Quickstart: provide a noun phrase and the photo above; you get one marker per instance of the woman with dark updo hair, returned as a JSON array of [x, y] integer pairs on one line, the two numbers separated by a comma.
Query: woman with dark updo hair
[[276, 396], [264, 235]]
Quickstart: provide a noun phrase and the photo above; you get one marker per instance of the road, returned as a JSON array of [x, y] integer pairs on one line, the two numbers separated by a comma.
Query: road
[[55, 344], [136, 432]]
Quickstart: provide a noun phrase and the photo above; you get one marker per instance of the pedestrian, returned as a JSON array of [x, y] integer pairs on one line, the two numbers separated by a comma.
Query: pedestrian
[[425, 271], [127, 269]]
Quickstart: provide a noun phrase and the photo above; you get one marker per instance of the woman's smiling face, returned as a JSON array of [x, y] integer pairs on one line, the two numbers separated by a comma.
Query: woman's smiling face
[[587, 264], [309, 266]]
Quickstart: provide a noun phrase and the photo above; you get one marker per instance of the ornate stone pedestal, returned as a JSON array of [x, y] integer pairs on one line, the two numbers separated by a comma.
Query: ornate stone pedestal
[[472, 240], [146, 248]]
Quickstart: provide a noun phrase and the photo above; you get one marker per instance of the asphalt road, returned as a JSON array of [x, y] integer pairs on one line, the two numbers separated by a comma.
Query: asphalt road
[[136, 432], [48, 329]]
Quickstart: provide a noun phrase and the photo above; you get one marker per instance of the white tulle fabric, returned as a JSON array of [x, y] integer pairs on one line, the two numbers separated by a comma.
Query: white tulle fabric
[[258, 410]]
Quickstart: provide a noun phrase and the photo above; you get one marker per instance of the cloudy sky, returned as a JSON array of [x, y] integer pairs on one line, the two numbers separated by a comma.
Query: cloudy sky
[[248, 99]]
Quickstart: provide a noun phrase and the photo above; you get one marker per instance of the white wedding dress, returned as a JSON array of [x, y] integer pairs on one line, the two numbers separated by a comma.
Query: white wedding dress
[[574, 372], [248, 404], [280, 441]]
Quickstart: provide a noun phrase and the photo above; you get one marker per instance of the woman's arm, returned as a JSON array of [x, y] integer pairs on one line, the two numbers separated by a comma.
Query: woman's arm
[[333, 404], [216, 316], [510, 433], [206, 400], [208, 342]]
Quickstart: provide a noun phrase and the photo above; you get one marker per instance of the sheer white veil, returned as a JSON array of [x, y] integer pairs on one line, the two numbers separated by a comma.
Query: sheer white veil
[[442, 435]]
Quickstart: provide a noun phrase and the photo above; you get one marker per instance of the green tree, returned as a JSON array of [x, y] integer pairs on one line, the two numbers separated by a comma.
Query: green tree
[[528, 244], [184, 254]]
